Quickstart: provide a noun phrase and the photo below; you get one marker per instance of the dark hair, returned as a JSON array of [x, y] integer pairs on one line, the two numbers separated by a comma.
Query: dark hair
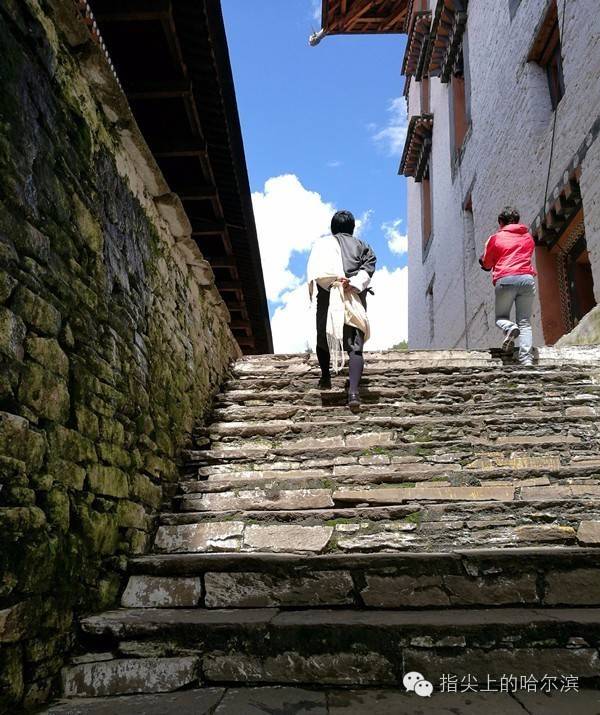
[[508, 215], [342, 222]]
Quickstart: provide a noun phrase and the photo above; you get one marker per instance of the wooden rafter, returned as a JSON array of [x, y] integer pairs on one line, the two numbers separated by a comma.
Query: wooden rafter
[[364, 16]]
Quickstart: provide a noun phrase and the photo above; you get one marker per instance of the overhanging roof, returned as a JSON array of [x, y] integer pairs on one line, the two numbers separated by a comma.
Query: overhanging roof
[[172, 60], [363, 16], [417, 147]]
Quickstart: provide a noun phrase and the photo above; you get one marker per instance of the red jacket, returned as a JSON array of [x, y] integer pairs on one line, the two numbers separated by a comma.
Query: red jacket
[[508, 252]]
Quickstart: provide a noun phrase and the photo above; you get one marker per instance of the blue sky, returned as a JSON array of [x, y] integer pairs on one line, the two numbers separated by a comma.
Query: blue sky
[[328, 122]]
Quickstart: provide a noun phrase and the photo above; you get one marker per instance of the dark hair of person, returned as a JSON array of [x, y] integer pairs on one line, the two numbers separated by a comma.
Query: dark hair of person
[[508, 215], [342, 222]]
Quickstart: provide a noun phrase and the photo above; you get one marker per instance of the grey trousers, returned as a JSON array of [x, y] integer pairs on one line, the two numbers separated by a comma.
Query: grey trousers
[[520, 292]]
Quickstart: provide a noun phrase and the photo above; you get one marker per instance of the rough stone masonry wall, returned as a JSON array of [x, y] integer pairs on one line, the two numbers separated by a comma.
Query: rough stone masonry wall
[[113, 339], [505, 161]]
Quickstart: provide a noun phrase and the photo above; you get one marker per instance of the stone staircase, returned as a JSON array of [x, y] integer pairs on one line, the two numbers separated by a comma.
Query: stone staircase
[[452, 527]]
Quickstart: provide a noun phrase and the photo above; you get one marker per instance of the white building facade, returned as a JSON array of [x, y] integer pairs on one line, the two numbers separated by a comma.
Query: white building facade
[[504, 109]]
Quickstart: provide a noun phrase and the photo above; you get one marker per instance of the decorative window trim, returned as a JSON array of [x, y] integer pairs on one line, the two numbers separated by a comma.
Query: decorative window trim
[[445, 39], [417, 148], [413, 63]]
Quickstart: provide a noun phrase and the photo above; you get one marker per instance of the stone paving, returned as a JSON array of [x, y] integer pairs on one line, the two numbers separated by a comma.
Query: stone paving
[[452, 527], [297, 701]]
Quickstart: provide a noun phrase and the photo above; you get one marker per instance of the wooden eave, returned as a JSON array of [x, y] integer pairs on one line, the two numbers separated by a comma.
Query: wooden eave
[[417, 147], [445, 40], [172, 60], [550, 224], [343, 17], [413, 64]]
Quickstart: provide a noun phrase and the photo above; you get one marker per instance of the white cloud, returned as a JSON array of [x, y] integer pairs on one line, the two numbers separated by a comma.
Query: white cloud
[[397, 242], [293, 323], [316, 6], [387, 309], [288, 218], [334, 163], [391, 137]]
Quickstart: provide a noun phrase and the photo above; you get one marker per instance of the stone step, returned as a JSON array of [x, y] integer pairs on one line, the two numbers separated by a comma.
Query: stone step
[[309, 453], [539, 471], [415, 526], [413, 428], [486, 405], [422, 385], [277, 497], [353, 647], [265, 700], [542, 576]]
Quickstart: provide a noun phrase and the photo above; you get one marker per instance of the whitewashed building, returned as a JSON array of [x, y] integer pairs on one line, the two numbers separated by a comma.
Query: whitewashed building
[[504, 109]]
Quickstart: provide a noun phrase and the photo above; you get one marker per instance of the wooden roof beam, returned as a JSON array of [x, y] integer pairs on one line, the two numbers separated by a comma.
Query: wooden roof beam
[[132, 11], [162, 90]]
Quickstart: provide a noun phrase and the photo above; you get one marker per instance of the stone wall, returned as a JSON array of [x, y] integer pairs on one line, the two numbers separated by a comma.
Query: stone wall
[[113, 339], [505, 161]]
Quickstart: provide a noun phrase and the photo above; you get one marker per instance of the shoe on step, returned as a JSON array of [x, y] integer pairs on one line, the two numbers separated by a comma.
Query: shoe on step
[[325, 383], [509, 340], [353, 402]]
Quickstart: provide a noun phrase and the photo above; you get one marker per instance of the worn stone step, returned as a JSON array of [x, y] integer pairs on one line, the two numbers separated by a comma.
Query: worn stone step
[[119, 676], [352, 647], [318, 452], [540, 576], [422, 474], [532, 418], [415, 526], [281, 499], [447, 405]]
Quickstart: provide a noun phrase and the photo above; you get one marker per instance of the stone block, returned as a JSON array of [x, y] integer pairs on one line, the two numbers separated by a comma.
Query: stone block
[[491, 591], [145, 490], [162, 592], [203, 701], [395, 496], [48, 353], [378, 541], [14, 622], [69, 444], [36, 312], [260, 590], [370, 439], [12, 333], [260, 499], [291, 667], [589, 533], [577, 587], [544, 533], [108, 481], [69, 474], [126, 675], [286, 537], [404, 591], [7, 285], [18, 440], [210, 536], [45, 393], [130, 514]]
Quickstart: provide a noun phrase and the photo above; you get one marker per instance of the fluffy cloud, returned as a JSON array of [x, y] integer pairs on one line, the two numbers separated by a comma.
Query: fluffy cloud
[[288, 218], [391, 137], [397, 242]]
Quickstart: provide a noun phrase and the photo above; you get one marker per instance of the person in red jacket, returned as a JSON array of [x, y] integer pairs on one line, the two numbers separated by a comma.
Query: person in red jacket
[[508, 255]]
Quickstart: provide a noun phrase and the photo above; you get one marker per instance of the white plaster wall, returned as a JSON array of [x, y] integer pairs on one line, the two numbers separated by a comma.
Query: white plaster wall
[[505, 158]]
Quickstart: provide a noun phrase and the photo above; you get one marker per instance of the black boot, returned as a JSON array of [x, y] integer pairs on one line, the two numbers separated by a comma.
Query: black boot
[[353, 401]]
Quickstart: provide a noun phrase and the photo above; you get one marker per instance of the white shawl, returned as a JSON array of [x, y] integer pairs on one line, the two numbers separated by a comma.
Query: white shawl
[[325, 266]]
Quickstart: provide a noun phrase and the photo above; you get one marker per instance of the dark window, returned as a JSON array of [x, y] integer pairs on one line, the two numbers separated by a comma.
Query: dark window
[[426, 212], [547, 52], [460, 100]]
